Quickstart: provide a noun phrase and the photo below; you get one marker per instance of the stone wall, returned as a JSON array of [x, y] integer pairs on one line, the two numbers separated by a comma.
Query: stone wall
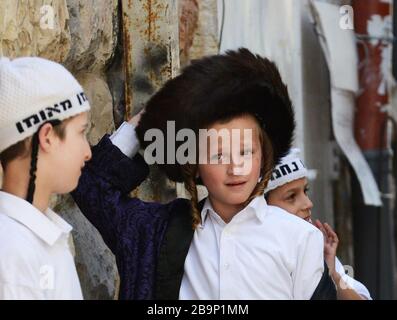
[[86, 36]]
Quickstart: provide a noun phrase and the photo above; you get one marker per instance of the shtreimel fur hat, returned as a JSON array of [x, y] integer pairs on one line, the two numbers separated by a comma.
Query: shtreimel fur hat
[[217, 88]]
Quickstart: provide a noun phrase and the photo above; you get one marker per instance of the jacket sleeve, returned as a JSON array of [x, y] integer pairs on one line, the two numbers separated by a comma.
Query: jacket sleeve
[[325, 289], [103, 190]]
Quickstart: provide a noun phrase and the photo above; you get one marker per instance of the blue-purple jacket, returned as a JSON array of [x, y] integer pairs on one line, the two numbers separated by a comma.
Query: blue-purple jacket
[[132, 229]]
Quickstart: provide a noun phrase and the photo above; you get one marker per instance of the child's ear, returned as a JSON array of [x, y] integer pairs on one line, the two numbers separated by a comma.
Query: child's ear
[[46, 137]]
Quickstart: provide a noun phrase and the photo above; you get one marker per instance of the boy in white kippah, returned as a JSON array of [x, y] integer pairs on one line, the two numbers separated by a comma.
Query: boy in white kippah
[[287, 189], [43, 147]]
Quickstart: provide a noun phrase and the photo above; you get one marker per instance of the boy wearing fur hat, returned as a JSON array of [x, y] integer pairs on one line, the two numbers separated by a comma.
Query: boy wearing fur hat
[[43, 147], [231, 245], [288, 189]]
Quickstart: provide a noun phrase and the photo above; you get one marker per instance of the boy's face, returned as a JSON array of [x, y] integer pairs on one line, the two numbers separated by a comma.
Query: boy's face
[[293, 198], [231, 181], [68, 155]]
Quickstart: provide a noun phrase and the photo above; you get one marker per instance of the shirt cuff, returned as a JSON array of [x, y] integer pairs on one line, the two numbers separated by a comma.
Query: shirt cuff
[[126, 140]]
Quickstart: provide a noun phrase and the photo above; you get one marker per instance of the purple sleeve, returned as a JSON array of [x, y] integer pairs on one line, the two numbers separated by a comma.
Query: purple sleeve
[[103, 196]]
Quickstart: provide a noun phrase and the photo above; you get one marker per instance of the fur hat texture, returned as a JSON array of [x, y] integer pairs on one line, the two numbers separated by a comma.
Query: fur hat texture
[[217, 88]]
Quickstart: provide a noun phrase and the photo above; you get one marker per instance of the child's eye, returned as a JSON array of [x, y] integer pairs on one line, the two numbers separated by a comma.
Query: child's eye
[[247, 153], [217, 157], [306, 190], [291, 197]]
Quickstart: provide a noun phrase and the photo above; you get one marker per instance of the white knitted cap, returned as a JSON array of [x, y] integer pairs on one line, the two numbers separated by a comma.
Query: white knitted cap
[[32, 91], [291, 168]]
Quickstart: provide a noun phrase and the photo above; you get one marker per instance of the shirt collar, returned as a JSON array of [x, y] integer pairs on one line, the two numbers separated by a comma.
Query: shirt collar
[[207, 208], [48, 227], [258, 206]]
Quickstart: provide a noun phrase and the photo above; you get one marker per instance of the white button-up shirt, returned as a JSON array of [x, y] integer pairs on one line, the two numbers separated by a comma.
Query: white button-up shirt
[[262, 253], [35, 257]]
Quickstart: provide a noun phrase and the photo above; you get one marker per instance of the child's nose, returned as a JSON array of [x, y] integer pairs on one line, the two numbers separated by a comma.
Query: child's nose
[[88, 154], [240, 166], [230, 169], [308, 203]]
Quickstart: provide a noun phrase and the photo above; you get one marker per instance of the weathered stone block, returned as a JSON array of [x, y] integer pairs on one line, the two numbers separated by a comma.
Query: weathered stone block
[[93, 34], [34, 28]]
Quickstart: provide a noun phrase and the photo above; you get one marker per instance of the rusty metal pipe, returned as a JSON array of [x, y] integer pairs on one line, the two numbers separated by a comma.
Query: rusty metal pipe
[[372, 226]]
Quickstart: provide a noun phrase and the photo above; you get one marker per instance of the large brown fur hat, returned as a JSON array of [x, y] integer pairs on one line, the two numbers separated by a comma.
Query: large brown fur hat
[[217, 88]]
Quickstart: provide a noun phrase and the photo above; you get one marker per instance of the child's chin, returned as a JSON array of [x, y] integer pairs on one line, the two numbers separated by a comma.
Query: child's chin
[[69, 188], [237, 199]]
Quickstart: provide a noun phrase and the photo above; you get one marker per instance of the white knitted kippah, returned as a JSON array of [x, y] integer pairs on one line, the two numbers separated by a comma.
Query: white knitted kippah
[[291, 168], [32, 91]]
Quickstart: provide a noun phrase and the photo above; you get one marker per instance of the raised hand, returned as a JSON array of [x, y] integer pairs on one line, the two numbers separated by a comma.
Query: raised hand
[[135, 119], [331, 242]]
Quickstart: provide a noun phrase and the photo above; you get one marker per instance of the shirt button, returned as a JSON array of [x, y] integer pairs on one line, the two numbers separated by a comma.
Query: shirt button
[[227, 266]]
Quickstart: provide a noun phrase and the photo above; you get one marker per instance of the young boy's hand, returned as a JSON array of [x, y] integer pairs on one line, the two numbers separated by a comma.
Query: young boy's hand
[[135, 119], [331, 242]]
